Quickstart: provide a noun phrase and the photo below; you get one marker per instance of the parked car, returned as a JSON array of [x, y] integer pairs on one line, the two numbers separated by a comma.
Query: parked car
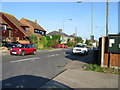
[[22, 49], [7, 44], [62, 46], [80, 49]]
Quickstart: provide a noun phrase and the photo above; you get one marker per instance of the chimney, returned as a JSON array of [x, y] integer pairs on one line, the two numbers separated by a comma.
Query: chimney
[[60, 30]]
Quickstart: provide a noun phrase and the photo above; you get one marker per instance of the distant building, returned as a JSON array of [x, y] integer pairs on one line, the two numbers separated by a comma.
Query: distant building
[[64, 37]]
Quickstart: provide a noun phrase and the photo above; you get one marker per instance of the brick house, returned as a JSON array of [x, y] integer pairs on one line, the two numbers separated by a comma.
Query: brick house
[[11, 28], [33, 28], [64, 37]]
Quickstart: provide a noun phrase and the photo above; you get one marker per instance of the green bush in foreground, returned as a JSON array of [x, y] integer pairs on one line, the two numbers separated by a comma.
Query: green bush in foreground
[[94, 67]]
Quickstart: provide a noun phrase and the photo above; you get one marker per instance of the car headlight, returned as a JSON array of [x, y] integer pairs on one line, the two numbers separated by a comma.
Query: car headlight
[[11, 49], [19, 50]]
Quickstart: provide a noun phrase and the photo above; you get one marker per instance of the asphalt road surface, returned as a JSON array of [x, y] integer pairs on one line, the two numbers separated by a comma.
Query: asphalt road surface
[[33, 71]]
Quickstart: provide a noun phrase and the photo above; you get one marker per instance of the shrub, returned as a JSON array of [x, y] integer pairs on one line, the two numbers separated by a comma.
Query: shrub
[[71, 44], [43, 41], [33, 38]]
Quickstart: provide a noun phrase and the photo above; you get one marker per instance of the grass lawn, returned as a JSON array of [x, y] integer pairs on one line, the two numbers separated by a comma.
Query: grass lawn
[[94, 67]]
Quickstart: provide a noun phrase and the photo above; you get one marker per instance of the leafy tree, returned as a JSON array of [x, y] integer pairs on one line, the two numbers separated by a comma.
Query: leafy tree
[[78, 40], [68, 40], [48, 37], [88, 42], [33, 38], [71, 44], [43, 41], [53, 40], [56, 37]]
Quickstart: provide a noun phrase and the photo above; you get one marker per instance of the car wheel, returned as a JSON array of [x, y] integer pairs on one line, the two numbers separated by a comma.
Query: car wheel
[[22, 53], [85, 53], [11, 54], [34, 52]]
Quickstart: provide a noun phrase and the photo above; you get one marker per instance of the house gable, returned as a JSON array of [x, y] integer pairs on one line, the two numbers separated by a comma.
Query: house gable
[[34, 28]]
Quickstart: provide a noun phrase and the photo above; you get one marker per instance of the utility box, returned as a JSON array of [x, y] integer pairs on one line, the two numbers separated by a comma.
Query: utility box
[[113, 44]]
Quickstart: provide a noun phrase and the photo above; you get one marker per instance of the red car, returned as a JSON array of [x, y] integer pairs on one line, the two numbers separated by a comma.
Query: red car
[[62, 46], [22, 49]]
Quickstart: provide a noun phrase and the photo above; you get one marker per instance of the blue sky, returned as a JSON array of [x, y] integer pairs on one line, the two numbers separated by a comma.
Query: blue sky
[[51, 15]]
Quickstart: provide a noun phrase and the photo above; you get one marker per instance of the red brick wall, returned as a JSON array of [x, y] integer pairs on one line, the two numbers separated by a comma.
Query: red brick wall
[[15, 31]]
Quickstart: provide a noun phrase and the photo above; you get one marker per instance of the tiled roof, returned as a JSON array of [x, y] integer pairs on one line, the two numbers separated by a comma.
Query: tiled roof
[[16, 23], [72, 36], [57, 33], [2, 21], [34, 24]]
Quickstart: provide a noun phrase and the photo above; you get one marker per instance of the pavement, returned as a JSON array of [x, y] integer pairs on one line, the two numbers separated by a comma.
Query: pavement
[[75, 77]]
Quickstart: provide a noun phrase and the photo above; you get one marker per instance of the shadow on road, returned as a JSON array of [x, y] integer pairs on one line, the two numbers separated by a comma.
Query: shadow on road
[[79, 57], [30, 82]]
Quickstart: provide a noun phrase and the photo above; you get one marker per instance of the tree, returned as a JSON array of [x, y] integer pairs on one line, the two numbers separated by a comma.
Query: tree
[[33, 38], [56, 38], [68, 40], [44, 41], [88, 42], [78, 40]]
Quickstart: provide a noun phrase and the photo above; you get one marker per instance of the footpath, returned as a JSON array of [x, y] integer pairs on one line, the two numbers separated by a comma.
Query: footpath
[[75, 77]]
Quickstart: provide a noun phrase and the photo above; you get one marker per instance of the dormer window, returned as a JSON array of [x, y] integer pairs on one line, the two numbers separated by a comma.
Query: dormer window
[[4, 26], [28, 21], [27, 29], [36, 24]]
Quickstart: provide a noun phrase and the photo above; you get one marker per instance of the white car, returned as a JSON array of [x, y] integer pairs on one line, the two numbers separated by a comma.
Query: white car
[[80, 49]]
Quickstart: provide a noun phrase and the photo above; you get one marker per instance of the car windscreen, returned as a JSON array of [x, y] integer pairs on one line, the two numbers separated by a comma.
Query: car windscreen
[[20, 46]]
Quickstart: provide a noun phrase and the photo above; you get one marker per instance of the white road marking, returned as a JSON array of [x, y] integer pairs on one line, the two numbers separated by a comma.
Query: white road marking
[[53, 55], [21, 60]]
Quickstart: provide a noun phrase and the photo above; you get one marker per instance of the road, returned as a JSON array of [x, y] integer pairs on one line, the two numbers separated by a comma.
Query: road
[[33, 71]]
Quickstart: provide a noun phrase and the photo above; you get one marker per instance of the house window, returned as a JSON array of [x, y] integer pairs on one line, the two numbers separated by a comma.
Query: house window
[[4, 27], [27, 29], [28, 21], [35, 31], [42, 33]]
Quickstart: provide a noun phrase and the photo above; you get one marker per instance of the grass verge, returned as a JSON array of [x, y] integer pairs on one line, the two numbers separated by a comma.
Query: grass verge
[[94, 67]]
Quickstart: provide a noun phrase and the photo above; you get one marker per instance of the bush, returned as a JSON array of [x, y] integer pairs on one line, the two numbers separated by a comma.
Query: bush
[[53, 40], [71, 44], [43, 41], [33, 38]]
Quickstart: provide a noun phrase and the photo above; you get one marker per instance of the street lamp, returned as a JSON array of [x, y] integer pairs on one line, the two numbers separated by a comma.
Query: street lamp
[[92, 36], [107, 17], [63, 30]]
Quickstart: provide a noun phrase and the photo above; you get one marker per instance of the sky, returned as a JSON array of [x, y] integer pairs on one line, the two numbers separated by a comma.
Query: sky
[[56, 15]]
